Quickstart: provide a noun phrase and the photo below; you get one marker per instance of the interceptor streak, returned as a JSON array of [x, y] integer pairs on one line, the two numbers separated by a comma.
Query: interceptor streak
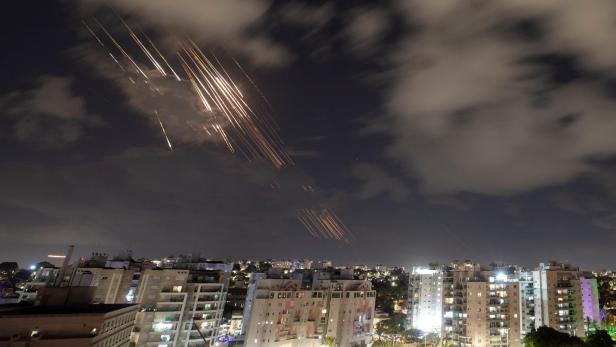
[[162, 127], [224, 111]]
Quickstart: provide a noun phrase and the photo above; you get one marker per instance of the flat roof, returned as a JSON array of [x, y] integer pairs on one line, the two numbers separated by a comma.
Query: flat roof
[[21, 309]]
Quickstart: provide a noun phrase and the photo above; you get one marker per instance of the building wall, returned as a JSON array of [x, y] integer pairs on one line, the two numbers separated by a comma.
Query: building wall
[[425, 296], [590, 299], [173, 308], [527, 304], [482, 308], [85, 329], [283, 314], [112, 285], [558, 300]]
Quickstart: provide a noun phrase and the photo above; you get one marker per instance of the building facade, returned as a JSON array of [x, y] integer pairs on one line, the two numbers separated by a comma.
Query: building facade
[[590, 300], [425, 299], [284, 313], [113, 286], [180, 307], [558, 299], [66, 326]]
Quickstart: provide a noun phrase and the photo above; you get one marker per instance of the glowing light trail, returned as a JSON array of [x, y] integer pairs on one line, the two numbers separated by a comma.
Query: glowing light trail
[[224, 110]]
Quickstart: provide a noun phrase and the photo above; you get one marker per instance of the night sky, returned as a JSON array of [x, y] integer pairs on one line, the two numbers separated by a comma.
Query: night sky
[[436, 130]]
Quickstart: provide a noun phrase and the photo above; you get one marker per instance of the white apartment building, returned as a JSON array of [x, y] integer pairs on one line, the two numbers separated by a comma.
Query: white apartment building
[[179, 307], [280, 313], [425, 299]]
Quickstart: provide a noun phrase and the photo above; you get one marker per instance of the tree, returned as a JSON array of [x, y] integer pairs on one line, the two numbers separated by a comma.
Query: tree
[[412, 335], [8, 269], [548, 337], [599, 338], [391, 328], [383, 343], [328, 341], [390, 289]]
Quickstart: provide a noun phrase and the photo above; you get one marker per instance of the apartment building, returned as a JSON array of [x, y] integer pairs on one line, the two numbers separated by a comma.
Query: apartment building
[[492, 306], [179, 307], [113, 286], [558, 299], [425, 299], [284, 312], [527, 302], [482, 305], [498, 306]]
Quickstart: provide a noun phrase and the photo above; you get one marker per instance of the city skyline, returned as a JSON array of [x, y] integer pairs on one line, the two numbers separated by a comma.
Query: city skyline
[[419, 133]]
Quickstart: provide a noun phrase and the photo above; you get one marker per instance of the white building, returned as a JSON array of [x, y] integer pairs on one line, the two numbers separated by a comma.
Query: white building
[[180, 307], [279, 312], [425, 299], [112, 285]]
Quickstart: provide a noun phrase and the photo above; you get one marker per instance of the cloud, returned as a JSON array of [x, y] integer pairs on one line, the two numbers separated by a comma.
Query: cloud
[[450, 201], [49, 115], [607, 222], [472, 106], [227, 23], [375, 181], [366, 26], [307, 15]]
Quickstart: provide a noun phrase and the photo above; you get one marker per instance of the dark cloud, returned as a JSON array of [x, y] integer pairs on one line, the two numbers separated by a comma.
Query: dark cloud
[[49, 115], [450, 201], [462, 109], [375, 181], [366, 27], [225, 23], [313, 16]]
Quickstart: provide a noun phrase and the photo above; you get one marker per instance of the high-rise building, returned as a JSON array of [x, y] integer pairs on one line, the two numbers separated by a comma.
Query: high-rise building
[[283, 312], [481, 305], [527, 302], [425, 299], [558, 299], [492, 306], [180, 307]]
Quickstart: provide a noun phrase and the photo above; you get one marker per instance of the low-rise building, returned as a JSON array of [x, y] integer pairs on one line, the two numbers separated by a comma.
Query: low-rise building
[[66, 326]]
